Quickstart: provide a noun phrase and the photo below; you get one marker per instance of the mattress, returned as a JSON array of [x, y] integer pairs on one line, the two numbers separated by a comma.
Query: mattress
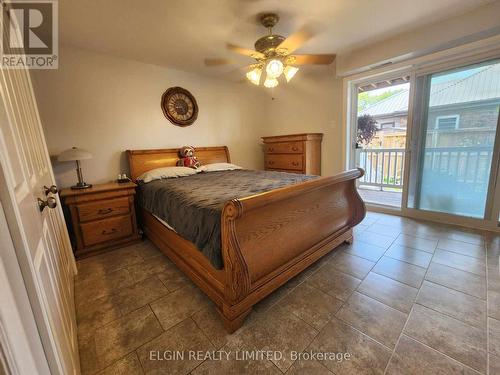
[[192, 205]]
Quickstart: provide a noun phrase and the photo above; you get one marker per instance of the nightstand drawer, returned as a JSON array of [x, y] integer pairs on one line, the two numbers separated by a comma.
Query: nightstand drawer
[[102, 209], [290, 161], [284, 148], [105, 230]]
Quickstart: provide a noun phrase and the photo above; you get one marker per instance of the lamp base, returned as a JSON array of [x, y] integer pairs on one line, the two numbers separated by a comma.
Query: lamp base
[[81, 185]]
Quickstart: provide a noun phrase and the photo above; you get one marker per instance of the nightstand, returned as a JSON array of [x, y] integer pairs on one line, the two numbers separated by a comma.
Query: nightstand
[[101, 217]]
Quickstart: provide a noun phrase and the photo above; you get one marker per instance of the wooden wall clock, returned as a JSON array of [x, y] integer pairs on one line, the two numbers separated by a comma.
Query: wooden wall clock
[[179, 106]]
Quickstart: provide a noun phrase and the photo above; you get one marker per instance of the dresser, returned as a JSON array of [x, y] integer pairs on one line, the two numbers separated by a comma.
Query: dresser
[[101, 217], [296, 153]]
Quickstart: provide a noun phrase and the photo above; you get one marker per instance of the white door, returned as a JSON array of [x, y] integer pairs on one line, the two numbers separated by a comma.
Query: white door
[[39, 236], [21, 348]]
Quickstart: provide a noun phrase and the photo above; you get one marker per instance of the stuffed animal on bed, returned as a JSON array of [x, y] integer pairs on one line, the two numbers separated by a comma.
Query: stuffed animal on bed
[[187, 158]]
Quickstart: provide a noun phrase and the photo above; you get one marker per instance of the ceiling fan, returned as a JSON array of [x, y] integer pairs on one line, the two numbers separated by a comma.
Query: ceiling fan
[[273, 54]]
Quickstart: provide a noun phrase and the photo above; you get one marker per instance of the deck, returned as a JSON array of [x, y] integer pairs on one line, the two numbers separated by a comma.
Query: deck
[[388, 198]]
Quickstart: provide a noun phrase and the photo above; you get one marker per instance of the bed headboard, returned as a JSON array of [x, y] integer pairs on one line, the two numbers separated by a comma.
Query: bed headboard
[[141, 161]]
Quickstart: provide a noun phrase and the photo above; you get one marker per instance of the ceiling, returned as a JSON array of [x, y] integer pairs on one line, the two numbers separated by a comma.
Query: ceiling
[[181, 33]]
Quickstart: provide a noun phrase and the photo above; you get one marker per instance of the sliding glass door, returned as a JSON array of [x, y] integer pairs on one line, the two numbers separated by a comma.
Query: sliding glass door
[[380, 144], [456, 130]]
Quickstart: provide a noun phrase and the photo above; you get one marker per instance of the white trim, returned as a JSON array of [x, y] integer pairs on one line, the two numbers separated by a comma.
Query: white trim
[[456, 117], [8, 364], [478, 50], [435, 217], [391, 123], [410, 142], [495, 209]]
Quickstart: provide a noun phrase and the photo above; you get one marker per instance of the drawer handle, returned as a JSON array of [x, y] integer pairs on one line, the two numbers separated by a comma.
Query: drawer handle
[[270, 149], [104, 211], [105, 232], [295, 148], [295, 163], [271, 162]]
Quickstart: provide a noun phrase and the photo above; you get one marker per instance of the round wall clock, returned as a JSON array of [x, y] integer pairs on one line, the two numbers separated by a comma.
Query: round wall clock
[[179, 106]]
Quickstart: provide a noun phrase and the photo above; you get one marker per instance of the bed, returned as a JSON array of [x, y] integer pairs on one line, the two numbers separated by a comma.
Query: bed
[[265, 238]]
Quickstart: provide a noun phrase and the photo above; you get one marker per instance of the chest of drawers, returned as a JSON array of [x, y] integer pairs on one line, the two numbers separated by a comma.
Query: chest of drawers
[[296, 153], [101, 217]]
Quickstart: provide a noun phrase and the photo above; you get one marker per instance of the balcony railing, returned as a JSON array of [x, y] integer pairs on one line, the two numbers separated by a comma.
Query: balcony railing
[[467, 166], [384, 167]]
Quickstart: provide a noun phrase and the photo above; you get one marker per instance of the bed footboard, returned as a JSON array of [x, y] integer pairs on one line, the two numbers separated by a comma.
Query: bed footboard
[[269, 238]]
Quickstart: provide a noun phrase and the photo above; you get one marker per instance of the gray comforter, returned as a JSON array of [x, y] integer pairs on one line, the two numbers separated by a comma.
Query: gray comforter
[[192, 205]]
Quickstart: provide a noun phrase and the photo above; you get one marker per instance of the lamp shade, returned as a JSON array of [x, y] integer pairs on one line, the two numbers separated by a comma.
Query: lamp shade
[[74, 154]]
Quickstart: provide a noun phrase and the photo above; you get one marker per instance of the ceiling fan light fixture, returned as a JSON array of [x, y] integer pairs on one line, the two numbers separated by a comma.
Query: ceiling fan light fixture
[[289, 72], [270, 82], [274, 68], [254, 75]]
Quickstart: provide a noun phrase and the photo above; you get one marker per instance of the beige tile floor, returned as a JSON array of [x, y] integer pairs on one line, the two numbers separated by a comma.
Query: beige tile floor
[[406, 297]]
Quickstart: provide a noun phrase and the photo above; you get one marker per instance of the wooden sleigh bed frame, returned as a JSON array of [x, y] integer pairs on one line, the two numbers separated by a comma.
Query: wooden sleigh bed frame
[[267, 238]]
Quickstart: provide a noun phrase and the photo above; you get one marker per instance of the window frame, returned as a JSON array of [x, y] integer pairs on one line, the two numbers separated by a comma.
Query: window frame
[[392, 123], [457, 117]]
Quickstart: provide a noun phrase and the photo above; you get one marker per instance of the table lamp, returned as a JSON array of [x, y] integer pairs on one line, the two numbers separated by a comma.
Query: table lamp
[[76, 154]]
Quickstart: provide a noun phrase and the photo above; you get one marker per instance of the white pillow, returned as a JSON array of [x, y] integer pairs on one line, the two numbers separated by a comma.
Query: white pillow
[[218, 167], [166, 172]]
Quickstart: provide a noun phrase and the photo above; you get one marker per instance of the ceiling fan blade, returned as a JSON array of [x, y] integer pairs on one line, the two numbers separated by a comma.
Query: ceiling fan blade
[[217, 62], [297, 39], [245, 51], [314, 59]]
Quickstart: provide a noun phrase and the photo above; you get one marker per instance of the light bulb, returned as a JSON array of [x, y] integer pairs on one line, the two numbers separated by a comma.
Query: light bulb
[[254, 76], [290, 72], [270, 82], [274, 68]]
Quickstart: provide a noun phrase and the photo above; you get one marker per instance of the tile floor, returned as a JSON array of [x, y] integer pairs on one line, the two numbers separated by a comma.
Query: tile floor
[[406, 297]]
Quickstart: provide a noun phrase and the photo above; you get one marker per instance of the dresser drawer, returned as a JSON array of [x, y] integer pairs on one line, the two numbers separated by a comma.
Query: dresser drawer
[[105, 230], [284, 148], [102, 209], [284, 161]]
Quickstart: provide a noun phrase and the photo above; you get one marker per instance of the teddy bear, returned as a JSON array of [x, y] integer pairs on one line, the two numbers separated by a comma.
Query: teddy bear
[[187, 158]]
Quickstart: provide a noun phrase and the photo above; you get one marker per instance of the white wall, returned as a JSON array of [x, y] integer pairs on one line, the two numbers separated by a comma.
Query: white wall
[[107, 105], [311, 103]]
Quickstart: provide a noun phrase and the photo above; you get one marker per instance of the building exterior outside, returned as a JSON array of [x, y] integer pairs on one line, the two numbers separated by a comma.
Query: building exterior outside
[[469, 104]]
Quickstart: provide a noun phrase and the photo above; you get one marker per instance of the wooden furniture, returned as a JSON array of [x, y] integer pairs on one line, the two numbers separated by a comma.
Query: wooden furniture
[[102, 217], [267, 238], [295, 153]]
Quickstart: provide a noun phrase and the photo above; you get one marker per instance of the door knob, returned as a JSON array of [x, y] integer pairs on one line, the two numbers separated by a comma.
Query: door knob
[[48, 190], [51, 202]]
